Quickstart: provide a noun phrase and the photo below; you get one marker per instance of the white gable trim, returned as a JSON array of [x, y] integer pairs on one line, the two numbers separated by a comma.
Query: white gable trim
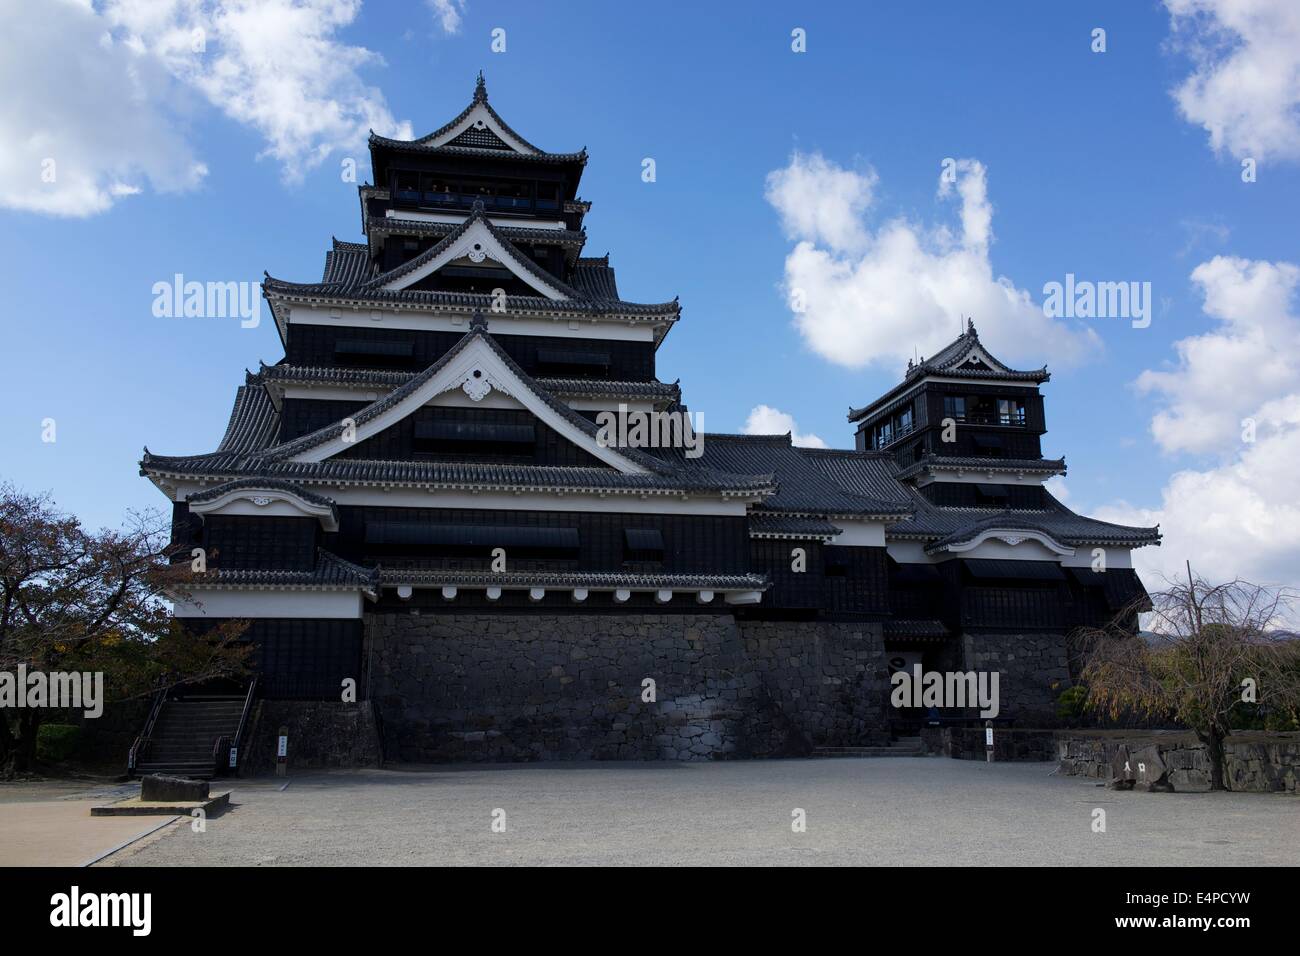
[[477, 243], [1012, 537], [476, 371], [480, 117], [977, 352], [267, 502]]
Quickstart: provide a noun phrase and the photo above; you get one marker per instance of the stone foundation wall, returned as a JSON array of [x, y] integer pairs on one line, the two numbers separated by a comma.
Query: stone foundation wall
[[321, 734], [1034, 669], [1254, 761], [466, 686]]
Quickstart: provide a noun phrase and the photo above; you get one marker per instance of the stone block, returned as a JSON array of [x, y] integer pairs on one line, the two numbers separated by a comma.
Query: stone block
[[159, 788]]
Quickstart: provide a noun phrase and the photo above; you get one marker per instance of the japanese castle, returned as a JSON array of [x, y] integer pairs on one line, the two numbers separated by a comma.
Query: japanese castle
[[416, 499]]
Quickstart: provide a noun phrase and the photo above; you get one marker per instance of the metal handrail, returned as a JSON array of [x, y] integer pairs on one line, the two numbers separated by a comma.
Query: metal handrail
[[141, 743], [243, 717], [218, 751]]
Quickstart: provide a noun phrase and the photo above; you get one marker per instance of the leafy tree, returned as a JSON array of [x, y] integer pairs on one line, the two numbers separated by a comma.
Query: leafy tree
[[1206, 650], [76, 601]]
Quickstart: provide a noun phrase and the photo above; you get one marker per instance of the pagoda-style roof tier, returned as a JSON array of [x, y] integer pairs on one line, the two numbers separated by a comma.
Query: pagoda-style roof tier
[[457, 476], [477, 133], [792, 527], [938, 464], [877, 473], [330, 573], [963, 358], [377, 227], [944, 528], [250, 448], [423, 145], [350, 280], [278, 376]]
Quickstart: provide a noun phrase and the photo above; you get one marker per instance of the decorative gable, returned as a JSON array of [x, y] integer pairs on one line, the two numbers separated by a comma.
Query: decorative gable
[[475, 370], [475, 244]]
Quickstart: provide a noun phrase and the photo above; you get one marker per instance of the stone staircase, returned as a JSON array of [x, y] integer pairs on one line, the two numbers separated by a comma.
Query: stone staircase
[[901, 747], [185, 734]]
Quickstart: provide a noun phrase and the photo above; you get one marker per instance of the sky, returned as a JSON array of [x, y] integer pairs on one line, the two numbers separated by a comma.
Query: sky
[[835, 187]]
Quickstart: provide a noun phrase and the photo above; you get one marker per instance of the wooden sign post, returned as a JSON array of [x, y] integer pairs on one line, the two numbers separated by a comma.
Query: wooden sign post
[[282, 753]]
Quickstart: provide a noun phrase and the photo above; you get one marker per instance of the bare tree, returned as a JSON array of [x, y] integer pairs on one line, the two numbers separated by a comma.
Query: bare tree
[[71, 600], [1206, 649]]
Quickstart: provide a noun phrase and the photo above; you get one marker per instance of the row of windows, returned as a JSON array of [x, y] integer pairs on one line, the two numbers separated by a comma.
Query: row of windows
[[901, 423], [984, 410], [967, 409], [437, 189]]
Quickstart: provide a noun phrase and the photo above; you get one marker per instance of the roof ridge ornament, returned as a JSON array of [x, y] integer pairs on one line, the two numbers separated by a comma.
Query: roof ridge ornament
[[479, 322], [480, 89]]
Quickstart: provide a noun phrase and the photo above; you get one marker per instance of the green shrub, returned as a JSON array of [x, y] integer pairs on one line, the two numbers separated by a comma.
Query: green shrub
[[57, 742], [1070, 706]]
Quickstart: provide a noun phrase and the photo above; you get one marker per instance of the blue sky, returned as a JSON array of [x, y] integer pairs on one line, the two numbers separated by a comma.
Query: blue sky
[[1090, 167]]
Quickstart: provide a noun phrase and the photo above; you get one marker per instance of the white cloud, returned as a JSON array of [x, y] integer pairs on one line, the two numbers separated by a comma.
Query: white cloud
[[871, 297], [1240, 519], [273, 65], [1245, 85], [82, 128], [765, 420], [107, 93], [1225, 375], [1238, 515], [449, 13], [820, 201]]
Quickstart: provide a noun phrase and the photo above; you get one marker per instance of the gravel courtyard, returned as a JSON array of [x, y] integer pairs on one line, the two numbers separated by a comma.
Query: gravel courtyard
[[894, 811]]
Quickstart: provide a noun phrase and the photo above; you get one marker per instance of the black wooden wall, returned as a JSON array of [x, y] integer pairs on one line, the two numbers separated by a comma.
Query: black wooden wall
[[318, 345]]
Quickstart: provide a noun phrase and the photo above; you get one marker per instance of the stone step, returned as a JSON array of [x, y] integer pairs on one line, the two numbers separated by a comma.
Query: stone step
[[868, 752]]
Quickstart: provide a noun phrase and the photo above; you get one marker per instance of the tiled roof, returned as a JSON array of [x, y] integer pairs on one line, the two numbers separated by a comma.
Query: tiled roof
[[253, 423], [951, 356], [949, 361], [425, 143], [802, 487], [454, 475], [595, 279], [870, 474], [763, 525], [347, 264], [417, 146], [477, 216], [378, 407], [943, 526], [665, 474], [390, 378], [349, 275], [571, 240], [330, 573], [347, 279], [592, 579], [1054, 466], [217, 491], [515, 305]]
